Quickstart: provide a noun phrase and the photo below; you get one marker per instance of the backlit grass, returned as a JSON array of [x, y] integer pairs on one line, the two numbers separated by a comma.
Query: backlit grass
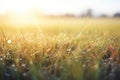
[[61, 49]]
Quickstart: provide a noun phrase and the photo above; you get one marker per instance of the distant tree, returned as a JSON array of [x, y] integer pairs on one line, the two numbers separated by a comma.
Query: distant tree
[[117, 15], [82, 15], [89, 13], [69, 15], [103, 15]]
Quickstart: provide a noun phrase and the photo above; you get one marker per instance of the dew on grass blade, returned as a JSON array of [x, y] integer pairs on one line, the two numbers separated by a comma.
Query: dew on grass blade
[[9, 41], [23, 65], [24, 74], [1, 59], [13, 65]]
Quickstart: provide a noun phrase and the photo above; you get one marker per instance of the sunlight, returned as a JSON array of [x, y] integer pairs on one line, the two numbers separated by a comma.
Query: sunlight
[[23, 20], [60, 6], [18, 6], [19, 12], [23, 12]]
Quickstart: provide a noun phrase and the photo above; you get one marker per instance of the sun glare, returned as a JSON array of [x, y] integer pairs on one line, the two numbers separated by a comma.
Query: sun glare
[[24, 20], [18, 6], [19, 12], [24, 6]]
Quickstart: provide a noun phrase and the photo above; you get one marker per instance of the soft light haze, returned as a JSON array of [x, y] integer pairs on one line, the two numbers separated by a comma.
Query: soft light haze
[[61, 6]]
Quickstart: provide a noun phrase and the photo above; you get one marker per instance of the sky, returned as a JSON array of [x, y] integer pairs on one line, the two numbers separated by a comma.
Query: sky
[[56, 7]]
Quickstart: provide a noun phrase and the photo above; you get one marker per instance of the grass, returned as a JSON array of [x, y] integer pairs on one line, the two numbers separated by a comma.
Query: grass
[[61, 49]]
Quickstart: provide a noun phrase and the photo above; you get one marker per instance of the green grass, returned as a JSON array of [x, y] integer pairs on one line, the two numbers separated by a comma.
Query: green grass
[[59, 49]]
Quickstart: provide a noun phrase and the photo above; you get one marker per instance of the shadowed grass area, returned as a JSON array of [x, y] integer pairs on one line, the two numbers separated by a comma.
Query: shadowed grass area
[[61, 49]]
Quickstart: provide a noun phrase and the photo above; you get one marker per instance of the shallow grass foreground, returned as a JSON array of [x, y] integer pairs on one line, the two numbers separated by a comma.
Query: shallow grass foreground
[[64, 49]]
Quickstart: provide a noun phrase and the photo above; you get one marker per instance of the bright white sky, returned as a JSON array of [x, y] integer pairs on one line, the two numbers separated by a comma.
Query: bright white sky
[[60, 6]]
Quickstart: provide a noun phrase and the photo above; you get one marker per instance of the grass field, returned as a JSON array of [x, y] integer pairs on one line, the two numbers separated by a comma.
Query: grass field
[[61, 49]]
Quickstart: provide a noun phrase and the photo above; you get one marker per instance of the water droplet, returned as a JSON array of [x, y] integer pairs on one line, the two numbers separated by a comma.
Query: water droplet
[[1, 59], [20, 59], [23, 65], [9, 41], [24, 74], [8, 53], [83, 65], [84, 52], [15, 69], [96, 66], [13, 65]]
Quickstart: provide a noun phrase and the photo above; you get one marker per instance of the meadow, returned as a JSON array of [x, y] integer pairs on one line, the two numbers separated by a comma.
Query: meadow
[[61, 49]]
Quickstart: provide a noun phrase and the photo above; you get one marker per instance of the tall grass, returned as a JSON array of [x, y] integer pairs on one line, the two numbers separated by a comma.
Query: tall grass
[[60, 52]]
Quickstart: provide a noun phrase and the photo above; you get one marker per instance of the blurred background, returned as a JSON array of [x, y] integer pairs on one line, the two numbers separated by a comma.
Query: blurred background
[[36, 12]]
